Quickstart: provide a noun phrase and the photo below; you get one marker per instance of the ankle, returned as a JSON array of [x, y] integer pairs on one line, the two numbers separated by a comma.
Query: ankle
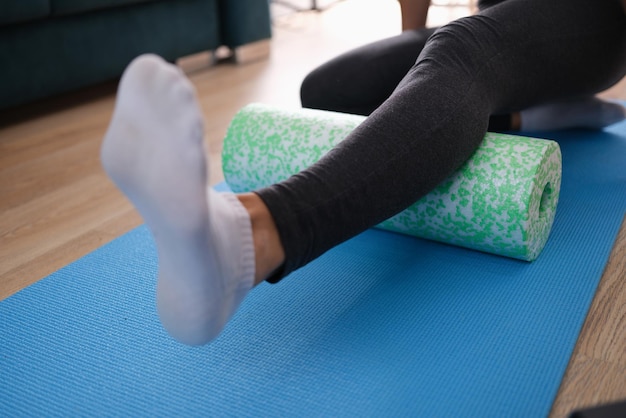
[[516, 121], [269, 254]]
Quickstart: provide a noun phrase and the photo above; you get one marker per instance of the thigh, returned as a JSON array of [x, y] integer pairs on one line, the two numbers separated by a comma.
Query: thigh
[[561, 49], [360, 80], [574, 48], [519, 53]]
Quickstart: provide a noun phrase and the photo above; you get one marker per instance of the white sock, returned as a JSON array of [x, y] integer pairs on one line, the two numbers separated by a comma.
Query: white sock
[[591, 113], [154, 152]]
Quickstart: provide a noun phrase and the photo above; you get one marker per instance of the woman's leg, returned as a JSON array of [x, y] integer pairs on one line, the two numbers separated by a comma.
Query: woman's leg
[[212, 247], [511, 56], [342, 85]]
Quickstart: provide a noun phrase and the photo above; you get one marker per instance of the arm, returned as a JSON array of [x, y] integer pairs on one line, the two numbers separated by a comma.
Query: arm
[[414, 13]]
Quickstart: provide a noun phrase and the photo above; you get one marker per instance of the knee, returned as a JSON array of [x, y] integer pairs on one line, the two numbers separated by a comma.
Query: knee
[[466, 43], [313, 90], [339, 90], [457, 56]]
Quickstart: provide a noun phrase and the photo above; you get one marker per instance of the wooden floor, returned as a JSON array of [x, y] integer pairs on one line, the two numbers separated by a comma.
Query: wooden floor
[[56, 204]]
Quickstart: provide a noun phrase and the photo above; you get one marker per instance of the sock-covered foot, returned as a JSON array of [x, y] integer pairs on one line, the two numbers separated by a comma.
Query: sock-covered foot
[[154, 152], [591, 113]]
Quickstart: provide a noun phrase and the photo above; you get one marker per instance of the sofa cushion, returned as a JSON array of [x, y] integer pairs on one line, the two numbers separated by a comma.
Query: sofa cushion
[[17, 11], [69, 7]]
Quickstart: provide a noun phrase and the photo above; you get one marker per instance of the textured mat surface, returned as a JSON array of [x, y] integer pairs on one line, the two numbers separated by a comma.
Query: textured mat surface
[[383, 325]]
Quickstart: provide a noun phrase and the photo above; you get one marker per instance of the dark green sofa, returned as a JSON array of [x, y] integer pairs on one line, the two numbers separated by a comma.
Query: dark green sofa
[[49, 47]]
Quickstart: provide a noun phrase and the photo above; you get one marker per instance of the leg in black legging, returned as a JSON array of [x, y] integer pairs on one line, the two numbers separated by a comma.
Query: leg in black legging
[[341, 85], [508, 57], [360, 80]]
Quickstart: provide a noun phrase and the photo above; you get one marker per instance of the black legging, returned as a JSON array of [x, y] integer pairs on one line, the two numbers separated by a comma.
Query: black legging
[[341, 85], [509, 56]]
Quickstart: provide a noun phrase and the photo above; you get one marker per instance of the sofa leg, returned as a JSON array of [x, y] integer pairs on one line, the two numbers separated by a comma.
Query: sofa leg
[[245, 54], [252, 52], [196, 62]]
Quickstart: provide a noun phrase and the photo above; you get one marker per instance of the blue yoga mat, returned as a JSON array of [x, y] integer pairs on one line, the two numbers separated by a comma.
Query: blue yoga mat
[[383, 325]]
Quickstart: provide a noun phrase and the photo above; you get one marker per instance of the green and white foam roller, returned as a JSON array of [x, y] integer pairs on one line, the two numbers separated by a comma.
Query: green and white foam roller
[[502, 201]]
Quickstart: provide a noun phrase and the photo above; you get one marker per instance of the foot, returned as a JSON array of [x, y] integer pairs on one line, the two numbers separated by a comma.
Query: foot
[[154, 152], [590, 113]]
